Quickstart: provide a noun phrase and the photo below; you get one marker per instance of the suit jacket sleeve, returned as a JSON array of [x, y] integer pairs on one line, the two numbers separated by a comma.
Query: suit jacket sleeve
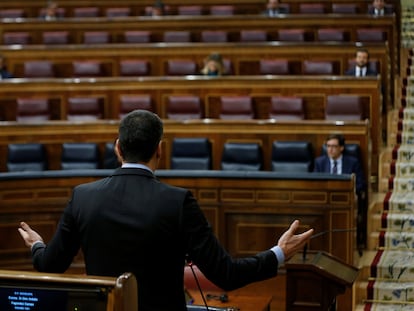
[[57, 256], [212, 259]]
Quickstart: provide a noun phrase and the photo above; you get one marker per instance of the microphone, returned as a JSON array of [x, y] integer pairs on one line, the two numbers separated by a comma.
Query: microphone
[[305, 247]]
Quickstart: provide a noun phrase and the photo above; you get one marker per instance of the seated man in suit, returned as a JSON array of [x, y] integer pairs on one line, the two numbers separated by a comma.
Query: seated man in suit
[[379, 8], [361, 68], [4, 74], [273, 8], [336, 162]]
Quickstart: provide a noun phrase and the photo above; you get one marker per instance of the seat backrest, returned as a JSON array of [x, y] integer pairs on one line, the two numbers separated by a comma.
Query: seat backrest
[[38, 69], [311, 8], [87, 68], [291, 35], [86, 12], [55, 37], [214, 36], [134, 67], [26, 157], [287, 108], [110, 160], [191, 154], [181, 67], [311, 67], [16, 37], [344, 8], [118, 12], [274, 67], [190, 10], [371, 35], [177, 36], [184, 107], [12, 13], [343, 107], [222, 9], [96, 37], [130, 102], [137, 36], [292, 156], [33, 110], [84, 109], [236, 108], [242, 157], [331, 34], [253, 36], [80, 156]]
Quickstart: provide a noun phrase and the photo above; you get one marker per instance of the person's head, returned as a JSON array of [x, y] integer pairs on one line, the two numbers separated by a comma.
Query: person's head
[[378, 4], [335, 144], [213, 65], [272, 4], [140, 134], [51, 9], [158, 8], [361, 57]]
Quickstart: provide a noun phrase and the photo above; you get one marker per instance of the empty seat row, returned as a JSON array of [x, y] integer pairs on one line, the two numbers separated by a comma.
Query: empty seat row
[[104, 37], [187, 154], [180, 67], [306, 8], [183, 107]]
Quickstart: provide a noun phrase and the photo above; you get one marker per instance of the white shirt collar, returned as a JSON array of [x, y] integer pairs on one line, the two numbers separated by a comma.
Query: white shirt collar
[[136, 165]]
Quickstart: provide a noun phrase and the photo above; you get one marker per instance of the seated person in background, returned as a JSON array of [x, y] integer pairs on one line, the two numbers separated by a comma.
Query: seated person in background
[[4, 74], [361, 68], [273, 8], [157, 9], [335, 162], [378, 8], [130, 221], [51, 12], [213, 65]]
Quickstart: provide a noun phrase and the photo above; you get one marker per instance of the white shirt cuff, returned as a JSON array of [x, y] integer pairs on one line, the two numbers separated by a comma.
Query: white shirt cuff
[[279, 254]]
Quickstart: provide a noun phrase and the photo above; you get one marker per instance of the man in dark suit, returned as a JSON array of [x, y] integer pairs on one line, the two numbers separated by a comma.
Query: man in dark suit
[[361, 68], [336, 162], [132, 222], [273, 8], [378, 8], [4, 74]]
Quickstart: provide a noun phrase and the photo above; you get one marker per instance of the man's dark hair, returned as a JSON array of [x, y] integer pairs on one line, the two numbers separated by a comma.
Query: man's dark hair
[[338, 137], [140, 132], [362, 50]]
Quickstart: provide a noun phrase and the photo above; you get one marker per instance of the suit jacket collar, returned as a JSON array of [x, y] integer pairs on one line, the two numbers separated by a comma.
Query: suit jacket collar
[[133, 171]]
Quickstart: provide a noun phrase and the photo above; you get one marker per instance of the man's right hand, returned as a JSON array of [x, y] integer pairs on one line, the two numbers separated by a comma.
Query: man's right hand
[[291, 243]]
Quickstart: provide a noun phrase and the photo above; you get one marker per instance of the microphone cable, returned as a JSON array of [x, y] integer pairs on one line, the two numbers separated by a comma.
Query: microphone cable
[[190, 264]]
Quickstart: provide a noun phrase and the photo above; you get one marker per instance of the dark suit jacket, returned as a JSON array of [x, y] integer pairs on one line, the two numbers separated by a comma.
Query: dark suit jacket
[[280, 10], [5, 74], [349, 165], [131, 222], [369, 72], [387, 10]]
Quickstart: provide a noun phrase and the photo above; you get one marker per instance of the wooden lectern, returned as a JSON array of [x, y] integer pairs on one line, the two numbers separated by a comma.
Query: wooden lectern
[[313, 282], [23, 290]]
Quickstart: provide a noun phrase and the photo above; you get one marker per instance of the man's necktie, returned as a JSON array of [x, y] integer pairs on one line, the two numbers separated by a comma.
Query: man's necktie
[[335, 168]]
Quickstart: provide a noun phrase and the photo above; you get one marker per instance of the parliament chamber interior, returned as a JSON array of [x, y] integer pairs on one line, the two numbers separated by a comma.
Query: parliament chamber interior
[[243, 142]]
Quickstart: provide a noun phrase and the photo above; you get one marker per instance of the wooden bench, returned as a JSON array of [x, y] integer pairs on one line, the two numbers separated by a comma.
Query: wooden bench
[[244, 58], [116, 29], [32, 8], [313, 89], [52, 134]]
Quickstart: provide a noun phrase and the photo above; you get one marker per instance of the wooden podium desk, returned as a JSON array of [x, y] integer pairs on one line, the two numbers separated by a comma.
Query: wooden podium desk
[[241, 301]]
